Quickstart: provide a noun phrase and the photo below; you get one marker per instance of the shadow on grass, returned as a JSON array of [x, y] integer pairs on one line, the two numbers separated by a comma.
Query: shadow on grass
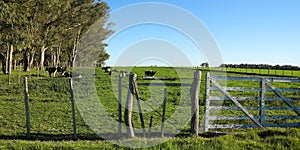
[[270, 133], [101, 137], [51, 137]]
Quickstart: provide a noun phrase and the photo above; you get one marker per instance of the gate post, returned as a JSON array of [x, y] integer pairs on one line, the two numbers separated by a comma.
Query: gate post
[[194, 94]]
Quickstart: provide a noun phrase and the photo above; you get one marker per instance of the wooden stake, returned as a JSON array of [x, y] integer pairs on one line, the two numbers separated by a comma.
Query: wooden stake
[[163, 113], [120, 104], [73, 108], [26, 95]]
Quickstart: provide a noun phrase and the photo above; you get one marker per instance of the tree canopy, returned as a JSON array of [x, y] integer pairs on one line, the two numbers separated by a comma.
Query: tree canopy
[[49, 32]]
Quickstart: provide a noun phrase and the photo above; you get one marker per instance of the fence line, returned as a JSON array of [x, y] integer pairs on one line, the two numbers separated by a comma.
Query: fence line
[[133, 90], [27, 109]]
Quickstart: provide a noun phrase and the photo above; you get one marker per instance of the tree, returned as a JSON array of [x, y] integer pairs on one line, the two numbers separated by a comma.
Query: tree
[[46, 31]]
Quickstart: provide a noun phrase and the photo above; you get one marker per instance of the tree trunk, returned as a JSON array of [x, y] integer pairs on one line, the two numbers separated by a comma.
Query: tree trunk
[[10, 58], [31, 59], [28, 60], [42, 61], [15, 65], [53, 57], [3, 66], [7, 59], [75, 49], [57, 63]]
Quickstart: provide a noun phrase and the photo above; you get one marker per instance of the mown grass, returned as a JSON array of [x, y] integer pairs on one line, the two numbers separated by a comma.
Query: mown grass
[[51, 121]]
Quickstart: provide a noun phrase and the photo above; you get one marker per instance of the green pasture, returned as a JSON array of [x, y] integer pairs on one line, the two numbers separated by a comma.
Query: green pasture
[[51, 119]]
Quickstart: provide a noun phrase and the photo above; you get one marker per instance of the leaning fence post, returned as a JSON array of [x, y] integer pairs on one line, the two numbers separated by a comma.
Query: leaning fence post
[[27, 107], [128, 107], [194, 93], [73, 108], [207, 103], [135, 86]]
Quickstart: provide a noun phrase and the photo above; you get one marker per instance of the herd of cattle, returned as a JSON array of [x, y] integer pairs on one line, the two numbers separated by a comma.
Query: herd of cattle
[[62, 70], [109, 70]]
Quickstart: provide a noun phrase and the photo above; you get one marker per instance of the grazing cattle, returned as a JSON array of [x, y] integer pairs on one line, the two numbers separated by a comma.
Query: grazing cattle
[[70, 74], [106, 69], [123, 73], [150, 73], [54, 70]]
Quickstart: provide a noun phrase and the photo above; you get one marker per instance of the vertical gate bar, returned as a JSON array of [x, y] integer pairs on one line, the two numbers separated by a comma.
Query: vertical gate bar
[[207, 103], [262, 101]]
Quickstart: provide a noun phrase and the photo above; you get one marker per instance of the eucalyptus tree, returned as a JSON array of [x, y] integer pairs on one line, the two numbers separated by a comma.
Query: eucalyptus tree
[[11, 37], [33, 26], [78, 20]]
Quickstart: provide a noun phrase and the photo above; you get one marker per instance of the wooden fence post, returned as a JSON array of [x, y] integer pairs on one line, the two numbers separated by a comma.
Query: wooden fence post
[[207, 103], [128, 107], [194, 94], [73, 108], [164, 113], [120, 103], [27, 107]]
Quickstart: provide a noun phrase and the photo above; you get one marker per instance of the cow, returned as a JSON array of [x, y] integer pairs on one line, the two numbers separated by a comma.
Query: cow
[[150, 73], [70, 74], [123, 73], [106, 69], [54, 70]]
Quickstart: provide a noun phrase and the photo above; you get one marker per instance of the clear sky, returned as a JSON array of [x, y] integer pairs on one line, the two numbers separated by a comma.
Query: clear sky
[[246, 31]]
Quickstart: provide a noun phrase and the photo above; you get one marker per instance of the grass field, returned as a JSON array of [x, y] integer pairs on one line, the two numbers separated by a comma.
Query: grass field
[[51, 120]]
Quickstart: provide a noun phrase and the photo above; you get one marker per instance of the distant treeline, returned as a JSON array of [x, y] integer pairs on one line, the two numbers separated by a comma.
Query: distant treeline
[[260, 66]]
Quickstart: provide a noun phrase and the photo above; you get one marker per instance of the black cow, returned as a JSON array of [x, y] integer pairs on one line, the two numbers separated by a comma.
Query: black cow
[[150, 73]]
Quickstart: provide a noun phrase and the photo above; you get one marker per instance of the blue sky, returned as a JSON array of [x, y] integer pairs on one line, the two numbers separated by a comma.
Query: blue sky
[[246, 31]]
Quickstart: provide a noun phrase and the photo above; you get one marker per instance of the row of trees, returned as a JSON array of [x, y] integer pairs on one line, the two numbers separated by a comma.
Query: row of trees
[[48, 32], [261, 66]]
